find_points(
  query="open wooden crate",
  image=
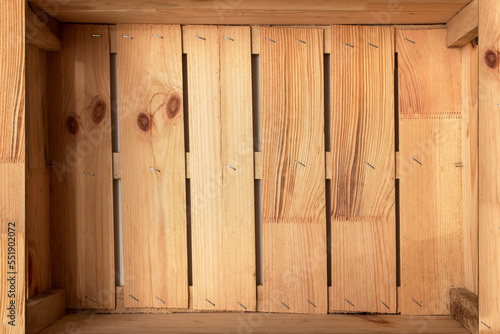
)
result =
(221, 163)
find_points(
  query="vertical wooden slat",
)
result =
(37, 175)
(12, 167)
(470, 164)
(293, 170)
(430, 173)
(363, 170)
(222, 171)
(153, 166)
(489, 177)
(81, 174)
(238, 254)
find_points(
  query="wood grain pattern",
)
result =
(153, 166)
(254, 11)
(463, 27)
(427, 49)
(293, 170)
(12, 167)
(270, 323)
(470, 160)
(81, 173)
(37, 175)
(363, 170)
(430, 174)
(44, 309)
(489, 155)
(222, 167)
(39, 34)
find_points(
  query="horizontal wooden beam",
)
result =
(250, 12)
(39, 34)
(463, 27)
(464, 307)
(44, 309)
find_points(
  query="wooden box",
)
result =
(250, 166)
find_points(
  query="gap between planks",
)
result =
(256, 32)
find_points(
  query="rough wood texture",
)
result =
(222, 167)
(470, 161)
(81, 168)
(12, 167)
(489, 156)
(44, 309)
(464, 308)
(39, 34)
(363, 170)
(254, 11)
(463, 27)
(430, 173)
(293, 170)
(37, 175)
(153, 167)
(257, 323)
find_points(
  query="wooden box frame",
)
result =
(479, 18)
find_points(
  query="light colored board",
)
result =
(153, 166)
(44, 309)
(293, 170)
(258, 323)
(238, 252)
(37, 175)
(426, 49)
(221, 167)
(12, 167)
(254, 11)
(39, 34)
(489, 155)
(430, 172)
(363, 170)
(431, 214)
(463, 27)
(81, 168)
(470, 163)
(464, 308)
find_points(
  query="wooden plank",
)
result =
(113, 47)
(489, 153)
(258, 323)
(39, 34)
(324, 12)
(363, 170)
(470, 86)
(153, 166)
(44, 309)
(463, 27)
(12, 167)
(293, 170)
(37, 175)
(430, 176)
(81, 173)
(222, 167)
(258, 165)
(464, 308)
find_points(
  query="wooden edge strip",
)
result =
(463, 27)
(464, 308)
(38, 33)
(44, 309)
